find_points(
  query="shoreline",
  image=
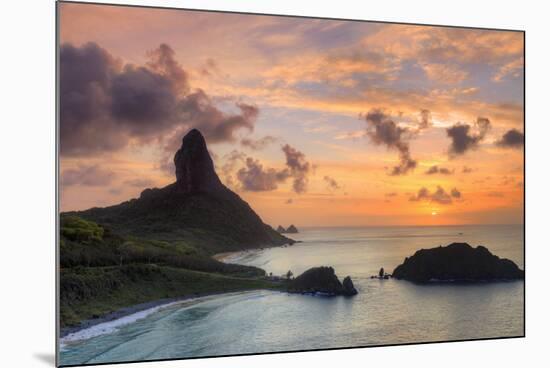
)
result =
(160, 303)
(142, 307)
(222, 257)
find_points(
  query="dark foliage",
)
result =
(111, 250)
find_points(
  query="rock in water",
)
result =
(321, 280)
(457, 262)
(292, 229)
(197, 209)
(194, 167)
(281, 229)
(349, 288)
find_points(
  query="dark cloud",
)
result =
(466, 137)
(104, 104)
(232, 159)
(425, 120)
(289, 201)
(88, 175)
(163, 61)
(467, 170)
(198, 111)
(384, 131)
(438, 170)
(391, 194)
(439, 196)
(299, 168)
(255, 178)
(209, 68)
(511, 139)
(142, 101)
(258, 144)
(331, 183)
(495, 194)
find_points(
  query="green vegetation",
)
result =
(77, 229)
(203, 221)
(88, 292)
(102, 271)
(160, 244)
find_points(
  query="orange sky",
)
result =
(354, 102)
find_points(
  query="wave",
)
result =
(109, 327)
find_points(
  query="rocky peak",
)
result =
(194, 167)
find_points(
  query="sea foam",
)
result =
(112, 326)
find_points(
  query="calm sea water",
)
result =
(384, 311)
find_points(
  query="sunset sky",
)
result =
(312, 122)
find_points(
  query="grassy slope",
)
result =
(102, 272)
(88, 292)
(213, 223)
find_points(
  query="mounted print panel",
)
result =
(243, 184)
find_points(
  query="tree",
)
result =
(289, 274)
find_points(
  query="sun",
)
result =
(434, 213)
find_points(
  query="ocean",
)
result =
(384, 312)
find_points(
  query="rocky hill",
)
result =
(457, 262)
(321, 280)
(197, 209)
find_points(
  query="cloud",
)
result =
(513, 69)
(255, 178)
(425, 121)
(464, 139)
(467, 170)
(455, 193)
(299, 168)
(442, 44)
(340, 68)
(511, 139)
(198, 111)
(209, 68)
(438, 170)
(258, 144)
(444, 73)
(384, 131)
(105, 104)
(439, 196)
(391, 194)
(331, 183)
(289, 201)
(232, 159)
(87, 175)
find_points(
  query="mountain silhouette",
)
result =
(196, 210)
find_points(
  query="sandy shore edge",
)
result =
(127, 311)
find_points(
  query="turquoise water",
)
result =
(384, 312)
